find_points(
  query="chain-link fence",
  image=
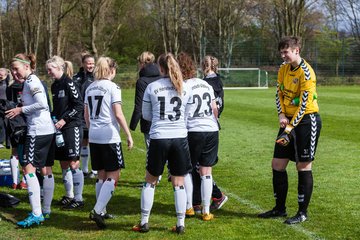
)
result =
(334, 62)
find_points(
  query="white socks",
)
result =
(180, 204)
(78, 179)
(68, 182)
(48, 188)
(206, 191)
(98, 185)
(147, 200)
(34, 193)
(85, 158)
(14, 165)
(189, 190)
(106, 192)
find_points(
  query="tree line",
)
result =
(123, 29)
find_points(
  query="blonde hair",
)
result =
(29, 59)
(65, 66)
(210, 63)
(5, 70)
(103, 67)
(146, 57)
(171, 67)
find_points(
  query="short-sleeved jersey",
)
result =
(199, 114)
(99, 99)
(293, 84)
(165, 108)
(36, 108)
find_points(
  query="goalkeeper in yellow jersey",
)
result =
(300, 126)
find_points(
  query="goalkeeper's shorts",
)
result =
(307, 135)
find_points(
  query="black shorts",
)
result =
(108, 157)
(71, 149)
(307, 135)
(203, 148)
(39, 151)
(18, 140)
(175, 151)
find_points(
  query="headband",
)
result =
(21, 60)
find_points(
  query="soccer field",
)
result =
(249, 127)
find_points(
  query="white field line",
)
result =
(140, 149)
(248, 203)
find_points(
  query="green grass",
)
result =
(249, 126)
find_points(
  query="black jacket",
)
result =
(15, 128)
(148, 74)
(67, 102)
(217, 85)
(83, 80)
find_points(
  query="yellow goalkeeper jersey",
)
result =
(296, 91)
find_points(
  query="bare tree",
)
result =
(350, 9)
(290, 16)
(170, 17)
(30, 23)
(2, 55)
(65, 9)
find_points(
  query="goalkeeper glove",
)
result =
(284, 138)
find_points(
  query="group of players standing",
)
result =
(178, 112)
(37, 151)
(179, 118)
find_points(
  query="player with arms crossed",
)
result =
(103, 115)
(164, 105)
(300, 126)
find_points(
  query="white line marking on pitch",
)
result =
(248, 203)
(140, 149)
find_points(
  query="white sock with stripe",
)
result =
(85, 158)
(14, 165)
(147, 201)
(180, 204)
(78, 180)
(48, 188)
(98, 185)
(106, 192)
(34, 193)
(206, 191)
(189, 190)
(68, 182)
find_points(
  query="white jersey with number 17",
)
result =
(99, 98)
(165, 108)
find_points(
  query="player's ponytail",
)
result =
(65, 66)
(210, 63)
(29, 59)
(68, 69)
(171, 67)
(187, 65)
(104, 67)
(146, 57)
